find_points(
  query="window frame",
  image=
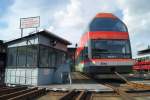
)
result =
(121, 55)
(96, 21)
(54, 52)
(17, 57)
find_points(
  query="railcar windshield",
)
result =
(107, 24)
(111, 49)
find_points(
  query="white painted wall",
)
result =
(35, 76)
(21, 76)
(30, 76)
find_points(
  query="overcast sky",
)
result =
(69, 18)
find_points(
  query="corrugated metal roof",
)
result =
(45, 33)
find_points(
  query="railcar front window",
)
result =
(107, 24)
(110, 48)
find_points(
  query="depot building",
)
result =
(36, 59)
(143, 61)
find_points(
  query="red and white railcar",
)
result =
(104, 47)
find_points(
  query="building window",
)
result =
(51, 58)
(25, 56)
(60, 57)
(43, 56)
(11, 59)
(21, 57)
(32, 56)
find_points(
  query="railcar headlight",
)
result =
(93, 62)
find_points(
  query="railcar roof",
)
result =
(105, 15)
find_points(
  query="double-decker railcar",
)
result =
(104, 47)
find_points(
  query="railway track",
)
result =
(20, 93)
(80, 78)
(120, 91)
(129, 91)
(115, 95)
(76, 95)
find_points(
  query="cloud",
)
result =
(4, 6)
(136, 15)
(72, 21)
(69, 18)
(28, 8)
(68, 22)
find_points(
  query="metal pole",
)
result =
(70, 79)
(75, 56)
(21, 32)
(36, 29)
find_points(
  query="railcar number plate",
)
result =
(103, 63)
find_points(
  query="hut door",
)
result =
(65, 77)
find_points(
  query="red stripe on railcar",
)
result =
(144, 67)
(108, 35)
(136, 67)
(107, 60)
(123, 60)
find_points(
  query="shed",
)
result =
(34, 59)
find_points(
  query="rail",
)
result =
(20, 93)
(133, 84)
(30, 95)
(76, 95)
(122, 93)
(10, 90)
(125, 93)
(81, 96)
(17, 93)
(118, 91)
(68, 96)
